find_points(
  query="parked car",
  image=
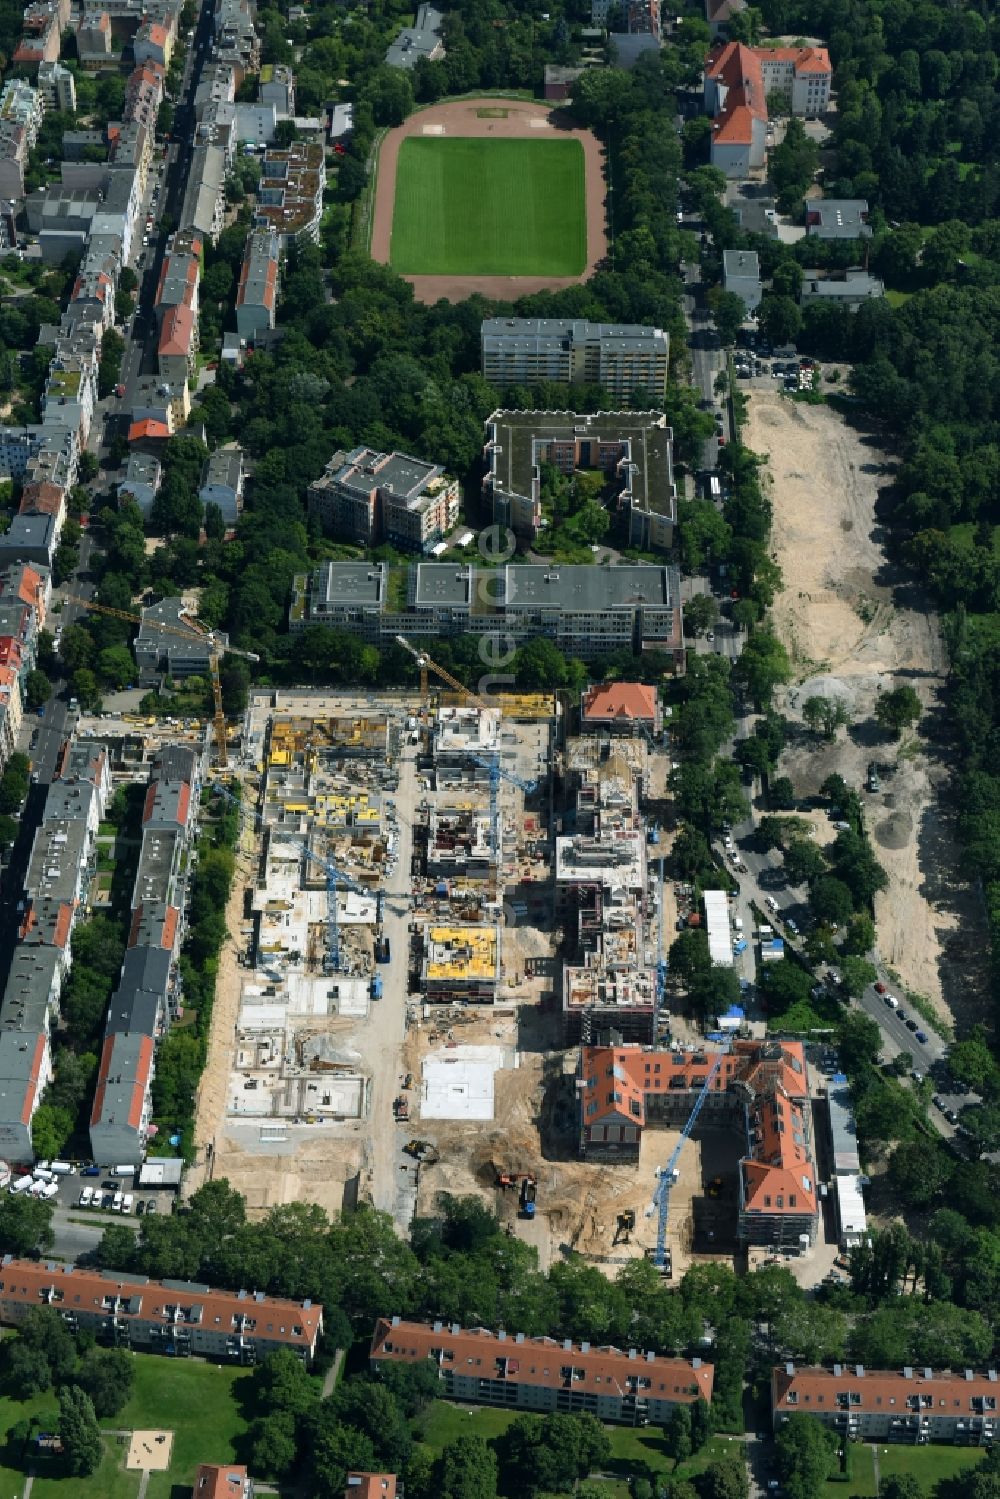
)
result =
(921, 1036)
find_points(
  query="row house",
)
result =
(40, 41)
(623, 1386)
(59, 870)
(180, 1318)
(911, 1405)
(257, 293)
(148, 995)
(21, 112)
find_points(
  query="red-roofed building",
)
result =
(148, 431)
(25, 1073)
(912, 1405)
(228, 1481)
(544, 1374)
(119, 1121)
(370, 1486)
(762, 1086)
(620, 707)
(154, 42)
(175, 350)
(738, 82)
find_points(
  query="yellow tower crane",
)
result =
(427, 664)
(196, 628)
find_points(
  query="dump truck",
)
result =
(400, 1108)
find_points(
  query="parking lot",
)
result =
(90, 1189)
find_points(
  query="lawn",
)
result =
(200, 1403)
(489, 208)
(927, 1464)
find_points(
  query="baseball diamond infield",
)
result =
(419, 224)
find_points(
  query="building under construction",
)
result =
(460, 842)
(461, 964)
(462, 738)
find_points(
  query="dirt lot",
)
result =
(853, 629)
(520, 118)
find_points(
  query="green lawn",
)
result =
(489, 208)
(927, 1464)
(199, 1403)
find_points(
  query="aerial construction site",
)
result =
(447, 974)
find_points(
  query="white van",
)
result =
(37, 1187)
(49, 1190)
(61, 1168)
(127, 1203)
(43, 1174)
(770, 903)
(116, 1205)
(86, 1197)
(19, 1184)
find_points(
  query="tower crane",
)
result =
(498, 773)
(426, 664)
(215, 652)
(661, 964)
(668, 1176)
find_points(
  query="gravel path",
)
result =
(463, 117)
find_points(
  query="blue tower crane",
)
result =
(661, 965)
(668, 1175)
(334, 877)
(498, 774)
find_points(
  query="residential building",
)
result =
(289, 197)
(204, 193)
(762, 1086)
(620, 708)
(544, 1374)
(372, 1486)
(143, 477)
(93, 37)
(559, 81)
(741, 275)
(277, 87)
(230, 1481)
(154, 42)
(222, 483)
(844, 288)
(370, 497)
(341, 122)
(633, 449)
(21, 111)
(17, 445)
(25, 1073)
(585, 611)
(173, 1317)
(420, 40)
(29, 538)
(837, 218)
(179, 650)
(41, 37)
(257, 293)
(739, 80)
(176, 346)
(912, 1405)
(57, 87)
(180, 274)
(622, 358)
(718, 14)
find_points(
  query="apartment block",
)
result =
(204, 200)
(176, 1317)
(585, 611)
(761, 1086)
(622, 358)
(40, 39)
(840, 288)
(911, 1405)
(837, 218)
(632, 449)
(143, 476)
(423, 39)
(544, 1374)
(461, 964)
(369, 497)
(741, 275)
(158, 651)
(257, 293)
(222, 483)
(290, 194)
(57, 87)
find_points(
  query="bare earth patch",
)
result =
(849, 636)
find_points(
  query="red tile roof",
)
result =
(882, 1391)
(177, 332)
(214, 1482)
(143, 1069)
(37, 1061)
(540, 1361)
(370, 1486)
(623, 700)
(147, 428)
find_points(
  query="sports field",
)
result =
(467, 207)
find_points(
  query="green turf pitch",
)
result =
(489, 208)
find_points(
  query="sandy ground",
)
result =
(462, 118)
(854, 629)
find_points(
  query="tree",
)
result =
(273, 1447)
(466, 1469)
(725, 1479)
(27, 1371)
(115, 666)
(830, 900)
(780, 318)
(79, 1432)
(898, 709)
(824, 715)
(762, 665)
(857, 973)
(700, 614)
(900, 1486)
(860, 1041)
(729, 311)
(803, 861)
(982, 1126)
(781, 793)
(701, 1424)
(44, 1331)
(806, 1454)
(107, 1375)
(37, 690)
(25, 1225)
(677, 1434)
(792, 166)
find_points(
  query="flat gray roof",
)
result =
(352, 583)
(538, 333)
(443, 583)
(837, 218)
(591, 589)
(741, 263)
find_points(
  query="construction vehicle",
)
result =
(422, 1151)
(527, 1196)
(216, 652)
(670, 1175)
(624, 1228)
(400, 1108)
